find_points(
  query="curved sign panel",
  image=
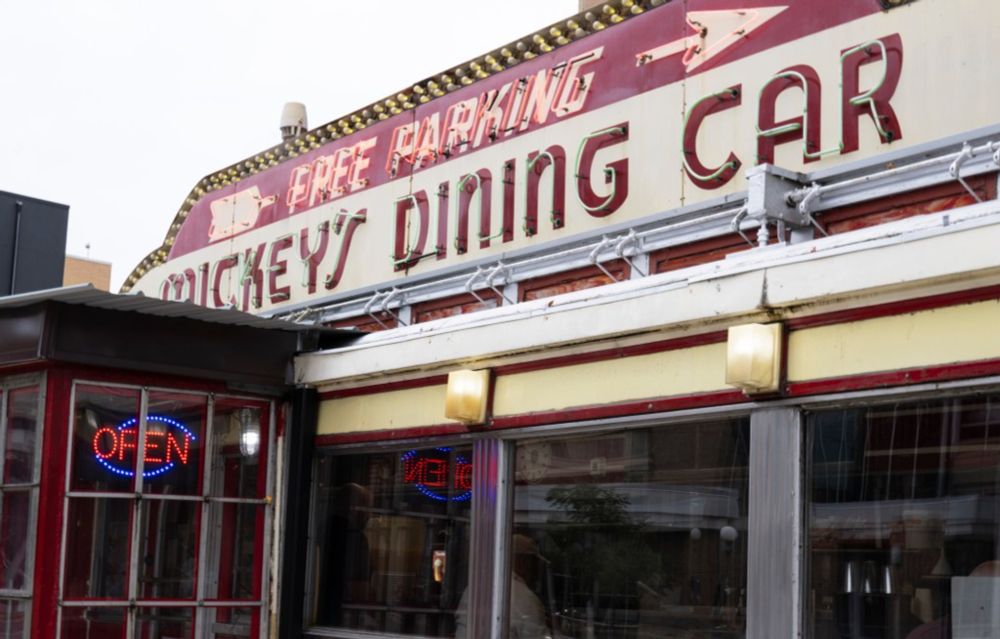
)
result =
(666, 109)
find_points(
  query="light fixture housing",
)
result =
(467, 396)
(753, 357)
(249, 420)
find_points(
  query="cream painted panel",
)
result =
(928, 338)
(681, 372)
(382, 411)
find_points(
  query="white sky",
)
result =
(118, 107)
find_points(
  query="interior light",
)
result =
(466, 396)
(249, 420)
(753, 357)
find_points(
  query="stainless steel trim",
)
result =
(774, 575)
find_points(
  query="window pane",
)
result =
(105, 438)
(97, 552)
(229, 623)
(22, 436)
(239, 441)
(164, 623)
(633, 534)
(175, 429)
(234, 551)
(14, 617)
(14, 539)
(391, 546)
(904, 520)
(168, 535)
(93, 623)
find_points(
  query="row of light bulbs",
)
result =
(540, 43)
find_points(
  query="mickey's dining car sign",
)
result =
(666, 109)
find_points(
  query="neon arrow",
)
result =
(714, 32)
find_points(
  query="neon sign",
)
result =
(115, 447)
(428, 473)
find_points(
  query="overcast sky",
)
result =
(117, 107)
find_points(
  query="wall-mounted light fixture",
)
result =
(753, 357)
(892, 4)
(467, 394)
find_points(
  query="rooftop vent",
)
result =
(293, 120)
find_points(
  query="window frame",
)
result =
(131, 603)
(383, 447)
(8, 384)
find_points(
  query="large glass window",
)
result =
(20, 436)
(165, 514)
(905, 521)
(391, 540)
(636, 534)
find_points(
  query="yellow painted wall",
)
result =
(928, 338)
(393, 410)
(681, 372)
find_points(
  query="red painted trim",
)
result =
(418, 432)
(423, 382)
(718, 398)
(48, 534)
(140, 379)
(901, 307)
(613, 353)
(895, 378)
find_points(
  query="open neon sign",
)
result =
(115, 446)
(429, 473)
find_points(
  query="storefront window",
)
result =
(632, 534)
(905, 521)
(391, 540)
(20, 435)
(166, 514)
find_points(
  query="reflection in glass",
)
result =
(164, 623)
(14, 617)
(22, 436)
(229, 623)
(239, 435)
(104, 441)
(903, 539)
(92, 623)
(636, 534)
(233, 558)
(391, 543)
(167, 537)
(98, 534)
(14, 539)
(175, 437)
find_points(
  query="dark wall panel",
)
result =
(32, 243)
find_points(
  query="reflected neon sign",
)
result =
(429, 472)
(168, 443)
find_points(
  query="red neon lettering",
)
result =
(413, 471)
(352, 222)
(406, 255)
(223, 265)
(873, 104)
(124, 443)
(435, 472)
(463, 476)
(151, 445)
(253, 276)
(360, 160)
(697, 172)
(99, 440)
(794, 128)
(615, 173)
(182, 453)
(298, 186)
(278, 266)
